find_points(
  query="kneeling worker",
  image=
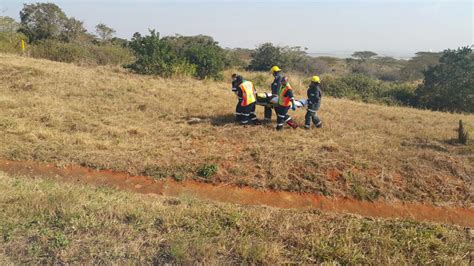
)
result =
(238, 107)
(314, 102)
(246, 93)
(285, 101)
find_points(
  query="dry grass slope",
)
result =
(107, 118)
(43, 222)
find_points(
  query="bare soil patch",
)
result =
(239, 195)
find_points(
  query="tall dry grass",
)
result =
(105, 117)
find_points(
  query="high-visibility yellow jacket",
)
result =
(248, 93)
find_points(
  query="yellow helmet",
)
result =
(316, 79)
(275, 69)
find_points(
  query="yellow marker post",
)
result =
(22, 45)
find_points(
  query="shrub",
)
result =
(81, 53)
(238, 58)
(266, 56)
(357, 85)
(110, 54)
(207, 170)
(11, 42)
(153, 55)
(401, 94)
(208, 58)
(361, 87)
(449, 86)
(59, 51)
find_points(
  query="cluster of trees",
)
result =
(448, 77)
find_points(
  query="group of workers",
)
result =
(280, 88)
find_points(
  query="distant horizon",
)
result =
(391, 28)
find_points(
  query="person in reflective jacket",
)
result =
(235, 88)
(285, 102)
(275, 86)
(247, 101)
(314, 102)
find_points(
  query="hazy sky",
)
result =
(391, 27)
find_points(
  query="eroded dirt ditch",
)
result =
(238, 195)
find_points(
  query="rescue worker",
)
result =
(246, 93)
(275, 86)
(314, 102)
(285, 102)
(238, 107)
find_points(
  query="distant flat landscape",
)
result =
(348, 54)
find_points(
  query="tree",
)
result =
(266, 56)
(153, 55)
(449, 85)
(104, 32)
(363, 55)
(47, 21)
(73, 28)
(8, 25)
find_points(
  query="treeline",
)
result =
(439, 81)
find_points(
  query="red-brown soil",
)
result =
(243, 196)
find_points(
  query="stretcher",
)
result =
(268, 100)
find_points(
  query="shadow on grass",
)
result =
(215, 120)
(222, 120)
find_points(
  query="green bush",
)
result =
(207, 57)
(367, 89)
(208, 60)
(266, 56)
(401, 94)
(59, 51)
(207, 170)
(154, 56)
(11, 42)
(354, 86)
(449, 86)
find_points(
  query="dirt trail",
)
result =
(243, 196)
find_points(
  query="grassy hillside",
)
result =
(107, 118)
(46, 222)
